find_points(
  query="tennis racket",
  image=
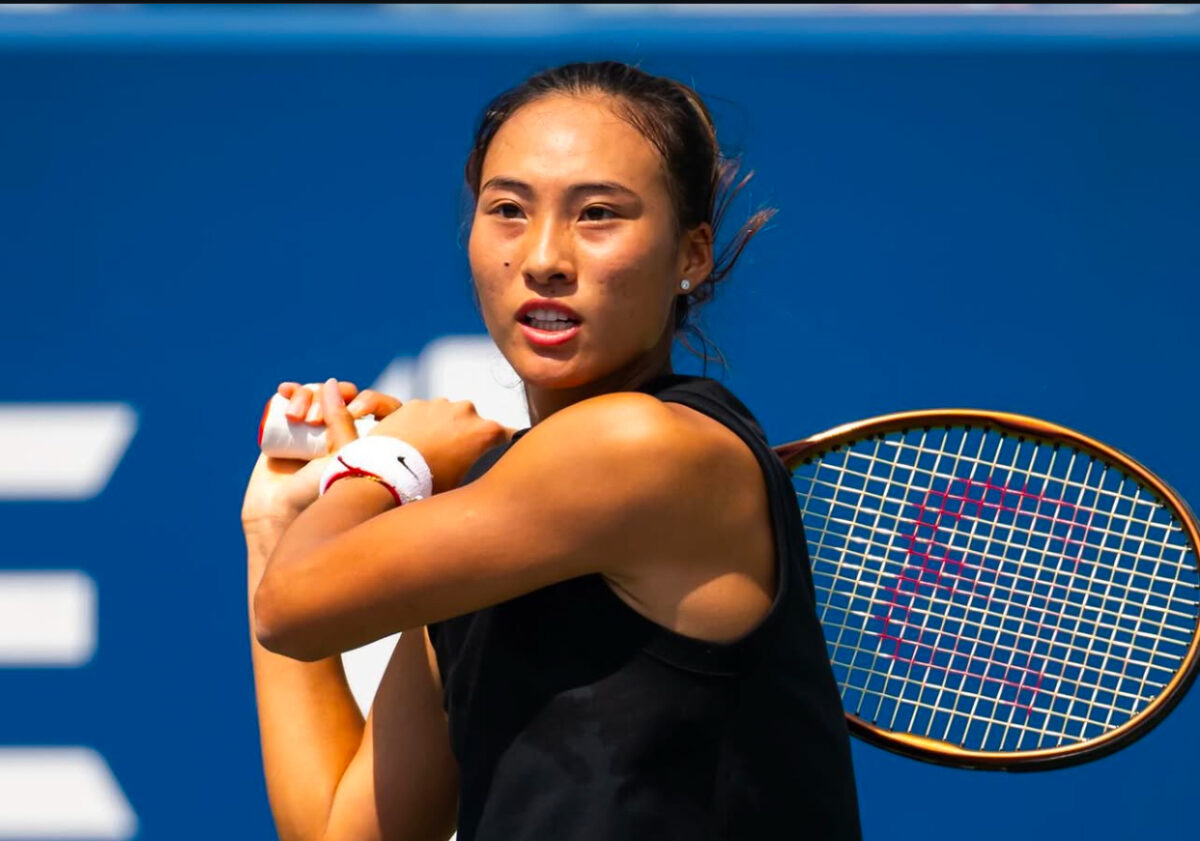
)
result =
(997, 591)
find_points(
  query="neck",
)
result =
(543, 402)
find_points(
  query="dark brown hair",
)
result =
(675, 119)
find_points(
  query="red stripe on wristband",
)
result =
(359, 473)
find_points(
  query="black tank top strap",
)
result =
(712, 399)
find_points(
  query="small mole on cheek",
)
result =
(506, 265)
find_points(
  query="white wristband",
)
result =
(389, 461)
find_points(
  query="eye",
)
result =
(508, 210)
(597, 213)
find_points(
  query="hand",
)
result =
(279, 489)
(450, 436)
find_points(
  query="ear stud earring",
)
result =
(685, 284)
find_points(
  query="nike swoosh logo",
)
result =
(406, 467)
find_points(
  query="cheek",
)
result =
(476, 247)
(487, 272)
(636, 283)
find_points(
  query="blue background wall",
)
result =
(994, 212)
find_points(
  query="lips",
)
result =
(546, 322)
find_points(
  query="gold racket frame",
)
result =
(1018, 426)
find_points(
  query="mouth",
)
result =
(549, 320)
(548, 323)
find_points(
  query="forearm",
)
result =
(298, 577)
(310, 725)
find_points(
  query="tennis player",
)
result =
(608, 621)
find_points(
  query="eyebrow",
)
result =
(519, 187)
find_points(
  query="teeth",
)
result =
(548, 319)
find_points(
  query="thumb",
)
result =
(339, 423)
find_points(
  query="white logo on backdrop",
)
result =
(459, 368)
(48, 618)
(62, 451)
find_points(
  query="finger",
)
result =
(287, 389)
(347, 388)
(298, 407)
(340, 425)
(316, 414)
(373, 403)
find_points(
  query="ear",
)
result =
(695, 261)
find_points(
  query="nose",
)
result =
(549, 256)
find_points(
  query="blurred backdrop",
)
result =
(984, 206)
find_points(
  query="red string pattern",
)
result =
(982, 594)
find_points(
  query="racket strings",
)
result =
(1022, 683)
(1090, 609)
(1169, 527)
(918, 588)
(1134, 555)
(939, 637)
(1112, 607)
(1012, 664)
(916, 702)
(1149, 575)
(1122, 651)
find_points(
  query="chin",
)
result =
(552, 374)
(548, 371)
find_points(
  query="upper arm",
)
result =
(402, 784)
(602, 486)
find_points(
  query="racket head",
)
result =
(997, 591)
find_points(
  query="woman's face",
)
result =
(574, 246)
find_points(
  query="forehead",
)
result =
(573, 139)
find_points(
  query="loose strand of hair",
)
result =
(734, 248)
(708, 351)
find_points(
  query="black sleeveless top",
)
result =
(575, 718)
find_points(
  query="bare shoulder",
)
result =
(670, 437)
(673, 501)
